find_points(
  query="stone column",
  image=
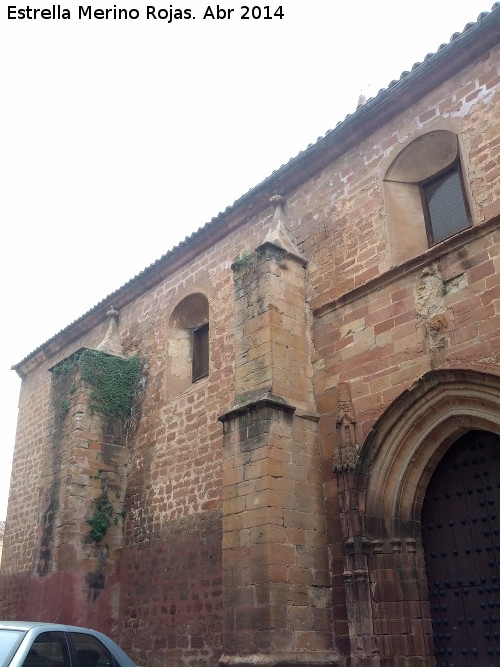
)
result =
(277, 606)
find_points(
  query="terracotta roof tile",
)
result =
(405, 75)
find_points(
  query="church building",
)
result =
(279, 444)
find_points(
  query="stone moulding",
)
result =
(400, 452)
(254, 401)
(395, 273)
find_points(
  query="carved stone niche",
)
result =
(346, 455)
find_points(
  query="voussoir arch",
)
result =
(404, 446)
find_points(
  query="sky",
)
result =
(119, 138)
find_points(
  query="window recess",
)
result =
(200, 348)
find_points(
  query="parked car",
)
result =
(25, 644)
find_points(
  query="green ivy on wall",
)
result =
(115, 392)
(114, 380)
(102, 517)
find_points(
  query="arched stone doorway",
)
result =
(461, 540)
(381, 500)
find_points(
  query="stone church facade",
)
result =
(307, 471)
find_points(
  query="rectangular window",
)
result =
(445, 205)
(200, 352)
(90, 651)
(48, 648)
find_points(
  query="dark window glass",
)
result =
(446, 209)
(200, 352)
(90, 652)
(49, 649)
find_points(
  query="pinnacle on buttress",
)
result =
(278, 234)
(112, 343)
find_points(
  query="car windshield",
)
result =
(9, 640)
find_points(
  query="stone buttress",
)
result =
(277, 606)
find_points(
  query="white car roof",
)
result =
(28, 625)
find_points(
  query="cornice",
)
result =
(464, 48)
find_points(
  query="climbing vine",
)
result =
(113, 385)
(247, 262)
(115, 382)
(102, 517)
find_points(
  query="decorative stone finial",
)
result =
(277, 200)
(361, 101)
(112, 343)
(277, 234)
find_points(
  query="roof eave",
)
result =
(464, 48)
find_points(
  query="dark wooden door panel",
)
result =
(460, 531)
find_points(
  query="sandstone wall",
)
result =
(374, 328)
